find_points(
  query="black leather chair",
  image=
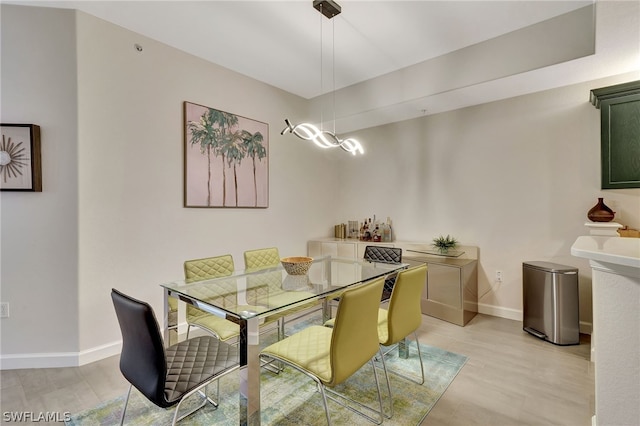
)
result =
(167, 376)
(383, 254)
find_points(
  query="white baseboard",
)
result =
(59, 359)
(586, 327)
(516, 314)
(497, 311)
(100, 352)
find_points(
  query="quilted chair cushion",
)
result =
(173, 304)
(383, 325)
(193, 362)
(210, 267)
(383, 254)
(223, 294)
(223, 329)
(308, 350)
(204, 269)
(268, 291)
(271, 285)
(261, 258)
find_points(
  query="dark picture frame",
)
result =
(226, 159)
(20, 160)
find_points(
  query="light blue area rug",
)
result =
(291, 398)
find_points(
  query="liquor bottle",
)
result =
(377, 237)
(367, 230)
(386, 232)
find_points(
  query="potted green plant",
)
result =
(444, 244)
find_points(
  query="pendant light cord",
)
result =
(333, 69)
(321, 74)
(308, 131)
(333, 72)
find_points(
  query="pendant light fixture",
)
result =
(307, 131)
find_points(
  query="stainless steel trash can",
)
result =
(550, 302)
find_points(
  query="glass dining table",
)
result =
(251, 298)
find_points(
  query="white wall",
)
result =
(112, 214)
(134, 231)
(39, 235)
(514, 177)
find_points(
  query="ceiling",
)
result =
(393, 59)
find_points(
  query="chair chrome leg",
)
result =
(324, 401)
(176, 419)
(126, 401)
(281, 328)
(202, 389)
(419, 382)
(375, 374)
(188, 328)
(386, 375)
(415, 334)
(332, 393)
(327, 394)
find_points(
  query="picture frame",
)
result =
(226, 159)
(20, 161)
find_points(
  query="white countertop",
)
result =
(615, 250)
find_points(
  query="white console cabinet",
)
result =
(451, 289)
(352, 249)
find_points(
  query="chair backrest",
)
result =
(142, 360)
(204, 269)
(354, 340)
(405, 315)
(209, 267)
(383, 254)
(261, 258)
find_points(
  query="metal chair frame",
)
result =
(359, 303)
(415, 278)
(143, 349)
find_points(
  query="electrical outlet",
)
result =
(4, 310)
(499, 276)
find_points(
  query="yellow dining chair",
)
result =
(404, 315)
(172, 318)
(331, 355)
(257, 259)
(261, 258)
(204, 269)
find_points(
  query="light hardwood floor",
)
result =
(511, 378)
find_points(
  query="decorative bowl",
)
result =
(297, 265)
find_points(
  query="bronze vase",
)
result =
(600, 212)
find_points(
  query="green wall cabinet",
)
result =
(620, 134)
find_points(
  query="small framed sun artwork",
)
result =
(20, 164)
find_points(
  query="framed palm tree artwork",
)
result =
(226, 159)
(20, 163)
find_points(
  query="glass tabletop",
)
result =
(267, 291)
